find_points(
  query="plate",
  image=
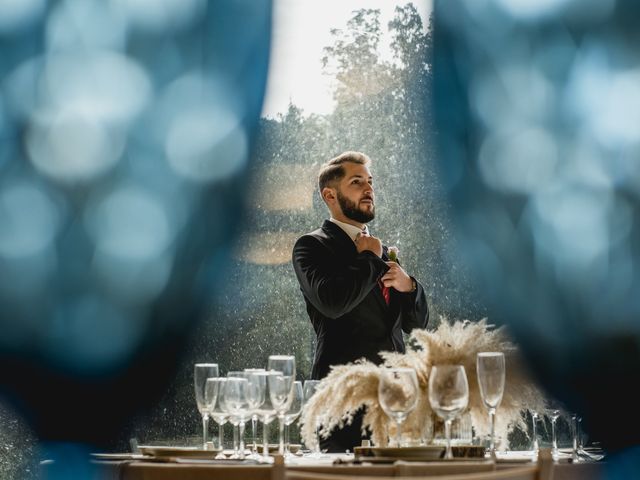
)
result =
(427, 452)
(191, 452)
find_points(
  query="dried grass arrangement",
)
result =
(349, 387)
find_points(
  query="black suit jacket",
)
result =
(345, 303)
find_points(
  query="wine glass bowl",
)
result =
(398, 395)
(448, 395)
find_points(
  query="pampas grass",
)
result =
(350, 387)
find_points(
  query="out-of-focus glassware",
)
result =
(309, 389)
(280, 388)
(234, 402)
(535, 445)
(448, 395)
(398, 395)
(219, 415)
(553, 411)
(490, 368)
(293, 412)
(202, 371)
(254, 415)
(216, 412)
(266, 412)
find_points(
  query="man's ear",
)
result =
(328, 195)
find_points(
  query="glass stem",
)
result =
(554, 441)
(447, 435)
(254, 438)
(398, 433)
(265, 439)
(220, 436)
(281, 434)
(574, 439)
(492, 419)
(205, 428)
(286, 439)
(235, 441)
(534, 421)
(241, 442)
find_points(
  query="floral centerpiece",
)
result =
(350, 387)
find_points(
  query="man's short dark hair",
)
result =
(333, 171)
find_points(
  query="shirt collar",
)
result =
(349, 229)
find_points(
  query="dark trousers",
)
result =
(342, 439)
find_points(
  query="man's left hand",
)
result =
(397, 278)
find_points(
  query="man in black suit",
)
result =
(358, 301)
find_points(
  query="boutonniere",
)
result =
(393, 254)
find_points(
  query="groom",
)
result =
(358, 301)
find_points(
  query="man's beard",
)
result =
(351, 210)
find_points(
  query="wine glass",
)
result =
(553, 411)
(266, 411)
(234, 402)
(491, 372)
(535, 446)
(448, 396)
(280, 387)
(309, 389)
(398, 395)
(292, 413)
(219, 415)
(254, 415)
(201, 372)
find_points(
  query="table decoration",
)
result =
(350, 387)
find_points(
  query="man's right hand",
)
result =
(367, 242)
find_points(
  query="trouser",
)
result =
(342, 439)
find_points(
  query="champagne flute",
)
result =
(219, 415)
(280, 387)
(309, 389)
(448, 396)
(491, 374)
(254, 415)
(398, 395)
(293, 412)
(201, 372)
(266, 411)
(553, 411)
(534, 433)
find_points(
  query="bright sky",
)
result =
(300, 32)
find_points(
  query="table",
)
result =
(186, 469)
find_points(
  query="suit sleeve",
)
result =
(334, 291)
(414, 310)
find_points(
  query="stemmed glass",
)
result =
(398, 395)
(201, 372)
(280, 387)
(266, 411)
(553, 411)
(234, 402)
(491, 372)
(448, 396)
(292, 413)
(309, 389)
(534, 433)
(219, 415)
(254, 415)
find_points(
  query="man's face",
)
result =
(355, 193)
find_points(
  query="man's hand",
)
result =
(367, 242)
(397, 278)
